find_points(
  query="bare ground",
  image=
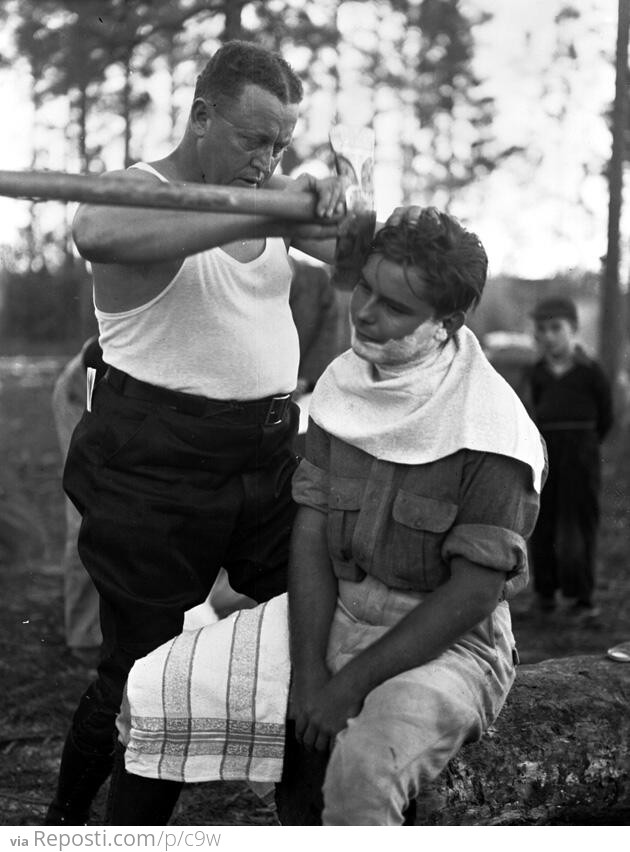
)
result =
(41, 681)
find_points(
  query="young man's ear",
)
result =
(453, 322)
(200, 116)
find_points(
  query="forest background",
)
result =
(499, 113)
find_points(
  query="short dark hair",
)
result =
(238, 63)
(452, 260)
(556, 307)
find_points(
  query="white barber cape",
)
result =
(426, 412)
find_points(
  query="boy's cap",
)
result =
(555, 306)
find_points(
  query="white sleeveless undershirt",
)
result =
(221, 328)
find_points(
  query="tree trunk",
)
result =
(172, 66)
(126, 112)
(82, 109)
(612, 316)
(232, 11)
(408, 178)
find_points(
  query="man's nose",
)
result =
(263, 159)
(366, 311)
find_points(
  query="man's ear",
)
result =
(453, 322)
(200, 116)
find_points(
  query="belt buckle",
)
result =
(277, 407)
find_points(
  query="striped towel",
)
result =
(211, 703)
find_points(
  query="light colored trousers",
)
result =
(411, 725)
(81, 601)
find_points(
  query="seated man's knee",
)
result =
(366, 782)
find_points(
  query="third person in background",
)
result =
(572, 407)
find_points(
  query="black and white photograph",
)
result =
(314, 421)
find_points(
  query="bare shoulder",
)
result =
(132, 173)
(122, 287)
(137, 172)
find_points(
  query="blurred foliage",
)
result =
(98, 56)
(39, 302)
(451, 142)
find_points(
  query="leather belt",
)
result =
(269, 411)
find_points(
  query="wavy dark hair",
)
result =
(452, 260)
(238, 63)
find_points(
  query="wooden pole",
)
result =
(120, 191)
(612, 315)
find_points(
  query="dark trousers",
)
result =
(167, 499)
(564, 540)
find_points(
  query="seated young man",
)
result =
(418, 490)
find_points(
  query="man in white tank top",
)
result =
(183, 462)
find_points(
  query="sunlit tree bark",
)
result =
(612, 317)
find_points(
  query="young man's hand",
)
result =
(305, 687)
(411, 215)
(321, 710)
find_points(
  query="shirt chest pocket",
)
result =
(344, 504)
(419, 528)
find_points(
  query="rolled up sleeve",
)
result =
(497, 513)
(310, 486)
(311, 480)
(490, 546)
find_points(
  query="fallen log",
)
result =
(559, 753)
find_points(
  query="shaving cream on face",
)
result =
(414, 348)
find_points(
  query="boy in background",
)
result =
(572, 407)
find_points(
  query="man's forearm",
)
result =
(136, 236)
(427, 631)
(312, 593)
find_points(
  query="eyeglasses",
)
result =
(251, 141)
